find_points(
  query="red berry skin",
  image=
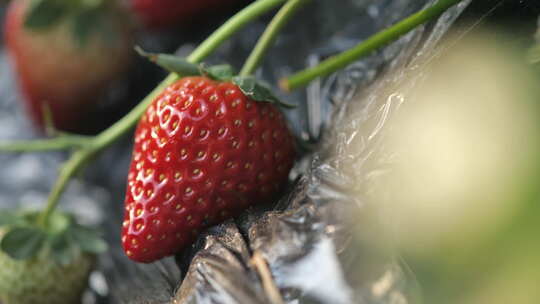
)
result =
(164, 13)
(53, 69)
(203, 153)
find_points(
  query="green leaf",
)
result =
(98, 22)
(59, 223)
(257, 91)
(44, 13)
(109, 33)
(218, 72)
(9, 217)
(61, 249)
(85, 23)
(16, 218)
(88, 240)
(171, 63)
(22, 243)
(91, 4)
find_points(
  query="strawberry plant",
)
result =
(45, 262)
(208, 144)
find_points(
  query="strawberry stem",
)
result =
(63, 142)
(376, 41)
(269, 35)
(233, 25)
(69, 169)
(124, 125)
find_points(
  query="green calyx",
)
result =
(258, 90)
(63, 238)
(249, 85)
(85, 17)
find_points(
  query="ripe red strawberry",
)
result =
(203, 152)
(67, 59)
(163, 13)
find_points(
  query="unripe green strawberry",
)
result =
(44, 260)
(41, 280)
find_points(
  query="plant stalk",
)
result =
(70, 168)
(376, 41)
(41, 145)
(269, 35)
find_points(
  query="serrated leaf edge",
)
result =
(253, 85)
(69, 235)
(36, 245)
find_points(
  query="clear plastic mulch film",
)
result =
(311, 247)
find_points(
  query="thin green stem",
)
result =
(127, 122)
(124, 125)
(376, 41)
(269, 35)
(70, 168)
(231, 26)
(42, 145)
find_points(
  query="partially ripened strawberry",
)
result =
(66, 53)
(163, 13)
(42, 280)
(203, 152)
(44, 263)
